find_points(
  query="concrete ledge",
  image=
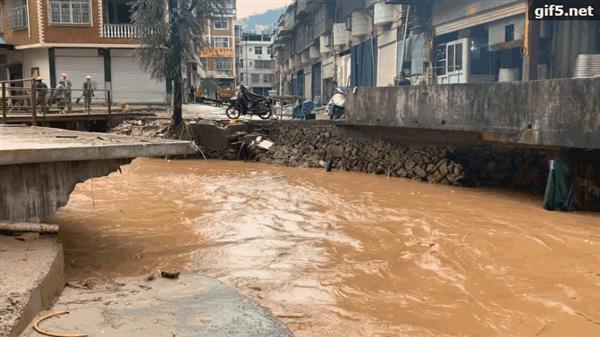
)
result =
(27, 145)
(31, 277)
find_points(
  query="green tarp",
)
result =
(560, 187)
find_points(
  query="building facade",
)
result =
(367, 43)
(255, 65)
(217, 63)
(78, 37)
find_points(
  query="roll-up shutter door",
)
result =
(131, 84)
(386, 65)
(77, 64)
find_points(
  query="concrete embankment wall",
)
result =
(32, 192)
(562, 112)
(430, 156)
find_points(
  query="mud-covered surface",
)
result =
(346, 254)
(189, 306)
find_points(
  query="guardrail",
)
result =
(22, 97)
(119, 31)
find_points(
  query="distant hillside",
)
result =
(261, 23)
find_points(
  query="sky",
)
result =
(246, 8)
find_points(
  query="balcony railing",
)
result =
(119, 31)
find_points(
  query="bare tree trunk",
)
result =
(177, 98)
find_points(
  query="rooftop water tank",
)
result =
(360, 24)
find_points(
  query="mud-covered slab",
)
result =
(191, 305)
(27, 145)
(31, 276)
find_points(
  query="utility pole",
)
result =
(531, 46)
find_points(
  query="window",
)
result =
(203, 63)
(70, 11)
(241, 77)
(222, 63)
(255, 78)
(17, 14)
(269, 51)
(258, 50)
(263, 64)
(241, 63)
(221, 23)
(509, 33)
(268, 78)
(220, 42)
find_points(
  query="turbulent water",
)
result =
(344, 254)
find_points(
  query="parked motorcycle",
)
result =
(247, 103)
(337, 104)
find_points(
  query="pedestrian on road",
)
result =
(88, 93)
(68, 91)
(41, 89)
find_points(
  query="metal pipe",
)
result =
(404, 39)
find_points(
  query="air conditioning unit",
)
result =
(360, 25)
(384, 13)
(304, 57)
(324, 44)
(340, 34)
(313, 52)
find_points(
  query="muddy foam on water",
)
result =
(345, 254)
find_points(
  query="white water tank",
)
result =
(360, 24)
(384, 13)
(340, 34)
(324, 44)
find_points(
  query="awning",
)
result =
(481, 18)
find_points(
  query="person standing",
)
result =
(59, 95)
(68, 90)
(41, 89)
(88, 93)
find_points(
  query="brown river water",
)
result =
(345, 254)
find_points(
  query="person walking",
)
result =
(88, 93)
(68, 90)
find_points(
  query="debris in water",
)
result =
(169, 274)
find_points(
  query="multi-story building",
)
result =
(77, 37)
(255, 65)
(217, 70)
(368, 43)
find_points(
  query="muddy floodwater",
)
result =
(345, 254)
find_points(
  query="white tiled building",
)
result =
(255, 66)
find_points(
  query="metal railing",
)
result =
(119, 31)
(22, 98)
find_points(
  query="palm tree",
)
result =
(171, 33)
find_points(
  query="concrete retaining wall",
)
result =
(32, 192)
(562, 113)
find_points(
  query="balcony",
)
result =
(119, 31)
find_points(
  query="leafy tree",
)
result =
(171, 34)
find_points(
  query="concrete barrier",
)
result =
(563, 112)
